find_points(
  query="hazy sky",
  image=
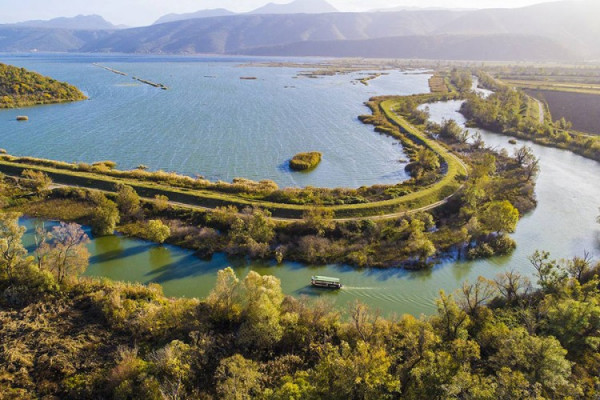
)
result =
(144, 12)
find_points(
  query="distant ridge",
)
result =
(503, 47)
(297, 7)
(217, 12)
(80, 22)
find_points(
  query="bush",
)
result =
(305, 161)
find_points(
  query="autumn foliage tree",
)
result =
(65, 254)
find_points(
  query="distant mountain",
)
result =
(17, 39)
(572, 23)
(297, 7)
(446, 47)
(238, 33)
(80, 22)
(218, 12)
(541, 32)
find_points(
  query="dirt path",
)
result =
(542, 113)
(290, 220)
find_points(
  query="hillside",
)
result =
(217, 12)
(80, 22)
(297, 7)
(239, 33)
(448, 47)
(19, 39)
(20, 88)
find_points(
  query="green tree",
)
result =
(318, 219)
(238, 379)
(12, 251)
(105, 216)
(161, 203)
(156, 231)
(128, 202)
(500, 217)
(540, 359)
(263, 297)
(361, 373)
(427, 159)
(226, 297)
(451, 320)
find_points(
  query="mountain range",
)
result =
(564, 30)
(295, 7)
(80, 22)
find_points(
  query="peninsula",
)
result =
(22, 88)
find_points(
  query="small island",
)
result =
(305, 161)
(22, 88)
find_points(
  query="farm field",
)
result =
(581, 109)
(571, 87)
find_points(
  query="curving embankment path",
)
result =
(427, 198)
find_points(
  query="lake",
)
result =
(210, 122)
(564, 221)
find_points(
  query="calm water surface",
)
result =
(568, 192)
(210, 122)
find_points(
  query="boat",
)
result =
(326, 282)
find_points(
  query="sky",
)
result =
(145, 12)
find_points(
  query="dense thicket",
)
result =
(69, 338)
(19, 88)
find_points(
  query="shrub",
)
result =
(305, 161)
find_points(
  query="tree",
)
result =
(427, 159)
(476, 295)
(450, 129)
(500, 217)
(128, 202)
(319, 219)
(238, 379)
(157, 231)
(263, 297)
(226, 297)
(105, 216)
(36, 180)
(66, 254)
(550, 275)
(524, 155)
(451, 320)
(362, 372)
(12, 251)
(540, 359)
(161, 203)
(251, 233)
(527, 160)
